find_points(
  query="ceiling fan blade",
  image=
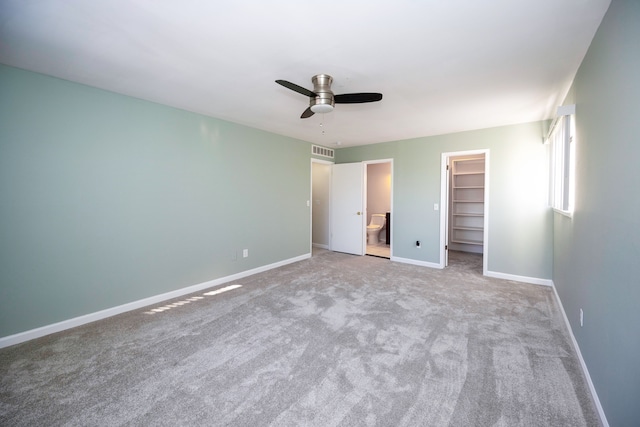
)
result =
(357, 98)
(307, 113)
(294, 87)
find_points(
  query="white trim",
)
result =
(563, 110)
(487, 192)
(592, 388)
(561, 212)
(516, 278)
(505, 276)
(103, 314)
(566, 110)
(372, 162)
(416, 262)
(321, 246)
(444, 208)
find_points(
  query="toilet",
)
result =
(373, 229)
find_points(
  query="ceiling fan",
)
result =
(322, 99)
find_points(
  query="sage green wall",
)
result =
(597, 252)
(107, 199)
(520, 222)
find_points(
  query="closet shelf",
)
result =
(468, 242)
(469, 228)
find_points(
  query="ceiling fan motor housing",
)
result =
(323, 102)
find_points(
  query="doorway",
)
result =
(464, 218)
(378, 178)
(330, 215)
(320, 204)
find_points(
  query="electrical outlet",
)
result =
(245, 253)
(581, 318)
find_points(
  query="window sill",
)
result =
(568, 214)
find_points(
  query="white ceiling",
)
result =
(443, 65)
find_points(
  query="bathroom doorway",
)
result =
(378, 199)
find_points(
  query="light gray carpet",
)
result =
(336, 340)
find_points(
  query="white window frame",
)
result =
(561, 140)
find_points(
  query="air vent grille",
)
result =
(322, 151)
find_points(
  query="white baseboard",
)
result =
(416, 262)
(103, 314)
(523, 279)
(321, 246)
(592, 388)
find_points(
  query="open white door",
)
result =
(347, 213)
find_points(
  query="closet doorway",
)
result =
(320, 204)
(464, 219)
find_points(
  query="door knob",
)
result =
(359, 213)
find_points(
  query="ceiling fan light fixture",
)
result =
(322, 99)
(322, 108)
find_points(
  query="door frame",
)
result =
(366, 182)
(444, 205)
(328, 219)
(364, 198)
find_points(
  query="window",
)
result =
(562, 162)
